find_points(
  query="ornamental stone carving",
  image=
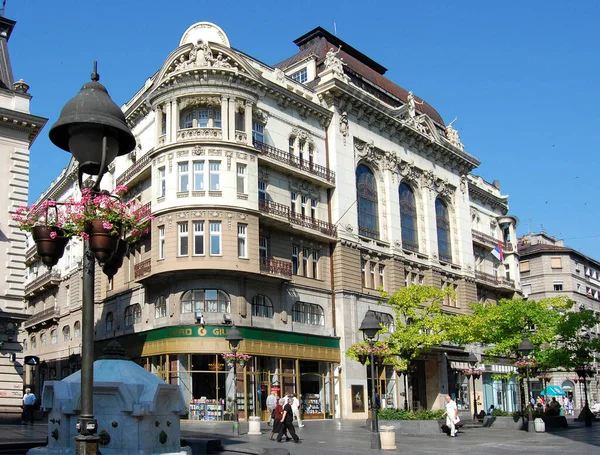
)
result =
(336, 64)
(344, 128)
(428, 180)
(409, 172)
(209, 101)
(366, 152)
(444, 189)
(201, 55)
(260, 116)
(279, 75)
(452, 136)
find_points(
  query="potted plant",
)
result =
(106, 219)
(50, 226)
(238, 357)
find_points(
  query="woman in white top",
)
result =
(451, 415)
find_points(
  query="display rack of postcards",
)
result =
(206, 409)
(241, 402)
(311, 406)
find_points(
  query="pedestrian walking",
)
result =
(296, 408)
(451, 415)
(287, 421)
(271, 403)
(277, 415)
(28, 405)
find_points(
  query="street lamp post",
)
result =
(473, 362)
(369, 327)
(93, 129)
(526, 348)
(583, 373)
(234, 337)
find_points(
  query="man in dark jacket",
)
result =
(287, 421)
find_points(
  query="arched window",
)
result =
(308, 313)
(43, 339)
(133, 315)
(200, 117)
(205, 300)
(386, 320)
(443, 231)
(24, 345)
(66, 333)
(408, 218)
(77, 329)
(54, 336)
(262, 306)
(366, 195)
(160, 307)
(33, 342)
(108, 323)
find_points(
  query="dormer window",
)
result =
(300, 76)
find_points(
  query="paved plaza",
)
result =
(351, 437)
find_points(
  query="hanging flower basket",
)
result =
(103, 238)
(50, 242)
(238, 357)
(362, 358)
(115, 262)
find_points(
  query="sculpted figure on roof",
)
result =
(335, 64)
(412, 108)
(452, 136)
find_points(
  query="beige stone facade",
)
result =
(18, 130)
(550, 269)
(280, 205)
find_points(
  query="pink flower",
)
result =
(84, 236)
(107, 225)
(53, 235)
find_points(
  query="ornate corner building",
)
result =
(283, 198)
(18, 130)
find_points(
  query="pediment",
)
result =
(190, 59)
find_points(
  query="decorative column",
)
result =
(158, 118)
(224, 118)
(248, 122)
(232, 107)
(173, 121)
(168, 139)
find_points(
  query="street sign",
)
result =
(32, 360)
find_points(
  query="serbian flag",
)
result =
(498, 253)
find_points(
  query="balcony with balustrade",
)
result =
(287, 161)
(41, 318)
(142, 269)
(494, 281)
(490, 242)
(138, 170)
(43, 282)
(276, 267)
(282, 216)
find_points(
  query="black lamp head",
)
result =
(370, 325)
(85, 121)
(234, 336)
(526, 347)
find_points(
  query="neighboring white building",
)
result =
(18, 130)
(284, 196)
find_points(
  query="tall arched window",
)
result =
(133, 315)
(262, 306)
(205, 300)
(443, 231)
(308, 313)
(66, 333)
(160, 307)
(77, 329)
(109, 322)
(366, 196)
(54, 336)
(408, 218)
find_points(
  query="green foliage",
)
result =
(500, 413)
(402, 414)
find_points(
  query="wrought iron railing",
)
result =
(134, 170)
(294, 161)
(143, 268)
(276, 267)
(283, 211)
(47, 278)
(494, 280)
(42, 316)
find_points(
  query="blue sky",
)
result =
(522, 77)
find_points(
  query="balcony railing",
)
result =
(491, 241)
(276, 267)
(142, 269)
(42, 316)
(134, 170)
(195, 134)
(44, 281)
(494, 280)
(294, 161)
(283, 211)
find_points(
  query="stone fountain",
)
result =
(137, 413)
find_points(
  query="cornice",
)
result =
(21, 121)
(487, 198)
(366, 107)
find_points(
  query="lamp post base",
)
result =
(236, 428)
(375, 441)
(86, 445)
